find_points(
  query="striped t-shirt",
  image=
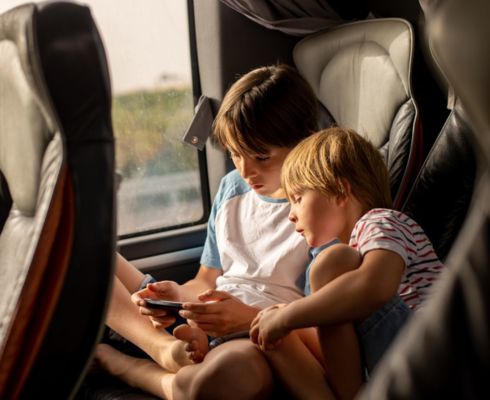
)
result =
(392, 230)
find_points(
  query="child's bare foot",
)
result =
(197, 341)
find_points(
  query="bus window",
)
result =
(149, 61)
(149, 57)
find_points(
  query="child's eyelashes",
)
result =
(259, 158)
(295, 199)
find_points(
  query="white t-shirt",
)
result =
(392, 230)
(250, 238)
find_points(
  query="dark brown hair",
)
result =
(269, 106)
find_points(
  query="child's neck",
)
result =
(354, 211)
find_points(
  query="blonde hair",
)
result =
(324, 160)
(269, 106)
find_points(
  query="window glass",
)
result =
(147, 45)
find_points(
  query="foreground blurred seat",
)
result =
(57, 237)
(361, 73)
(445, 350)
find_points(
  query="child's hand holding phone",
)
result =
(167, 305)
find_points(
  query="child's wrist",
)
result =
(285, 318)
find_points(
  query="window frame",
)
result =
(181, 238)
(130, 242)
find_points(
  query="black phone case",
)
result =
(163, 304)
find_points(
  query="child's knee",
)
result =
(333, 262)
(245, 373)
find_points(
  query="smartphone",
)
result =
(168, 305)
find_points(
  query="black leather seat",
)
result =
(57, 240)
(441, 194)
(445, 350)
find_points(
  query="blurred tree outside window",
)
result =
(148, 51)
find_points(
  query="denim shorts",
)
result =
(146, 280)
(377, 331)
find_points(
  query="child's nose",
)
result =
(246, 167)
(292, 217)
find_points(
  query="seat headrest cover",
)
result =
(361, 72)
(459, 32)
(24, 131)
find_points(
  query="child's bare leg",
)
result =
(340, 348)
(123, 317)
(197, 341)
(128, 274)
(236, 368)
(298, 367)
(137, 372)
(339, 343)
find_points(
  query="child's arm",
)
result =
(344, 297)
(351, 296)
(203, 281)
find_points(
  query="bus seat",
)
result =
(444, 352)
(440, 196)
(57, 238)
(361, 73)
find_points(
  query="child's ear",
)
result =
(347, 193)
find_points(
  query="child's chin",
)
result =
(260, 190)
(309, 242)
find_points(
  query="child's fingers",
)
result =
(191, 346)
(160, 288)
(254, 333)
(265, 345)
(196, 356)
(256, 320)
(216, 295)
(199, 317)
(162, 321)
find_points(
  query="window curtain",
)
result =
(293, 17)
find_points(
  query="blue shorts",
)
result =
(377, 331)
(146, 280)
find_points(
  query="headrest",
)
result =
(458, 34)
(26, 127)
(360, 72)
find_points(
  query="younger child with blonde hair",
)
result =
(363, 287)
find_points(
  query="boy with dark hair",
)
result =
(252, 257)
